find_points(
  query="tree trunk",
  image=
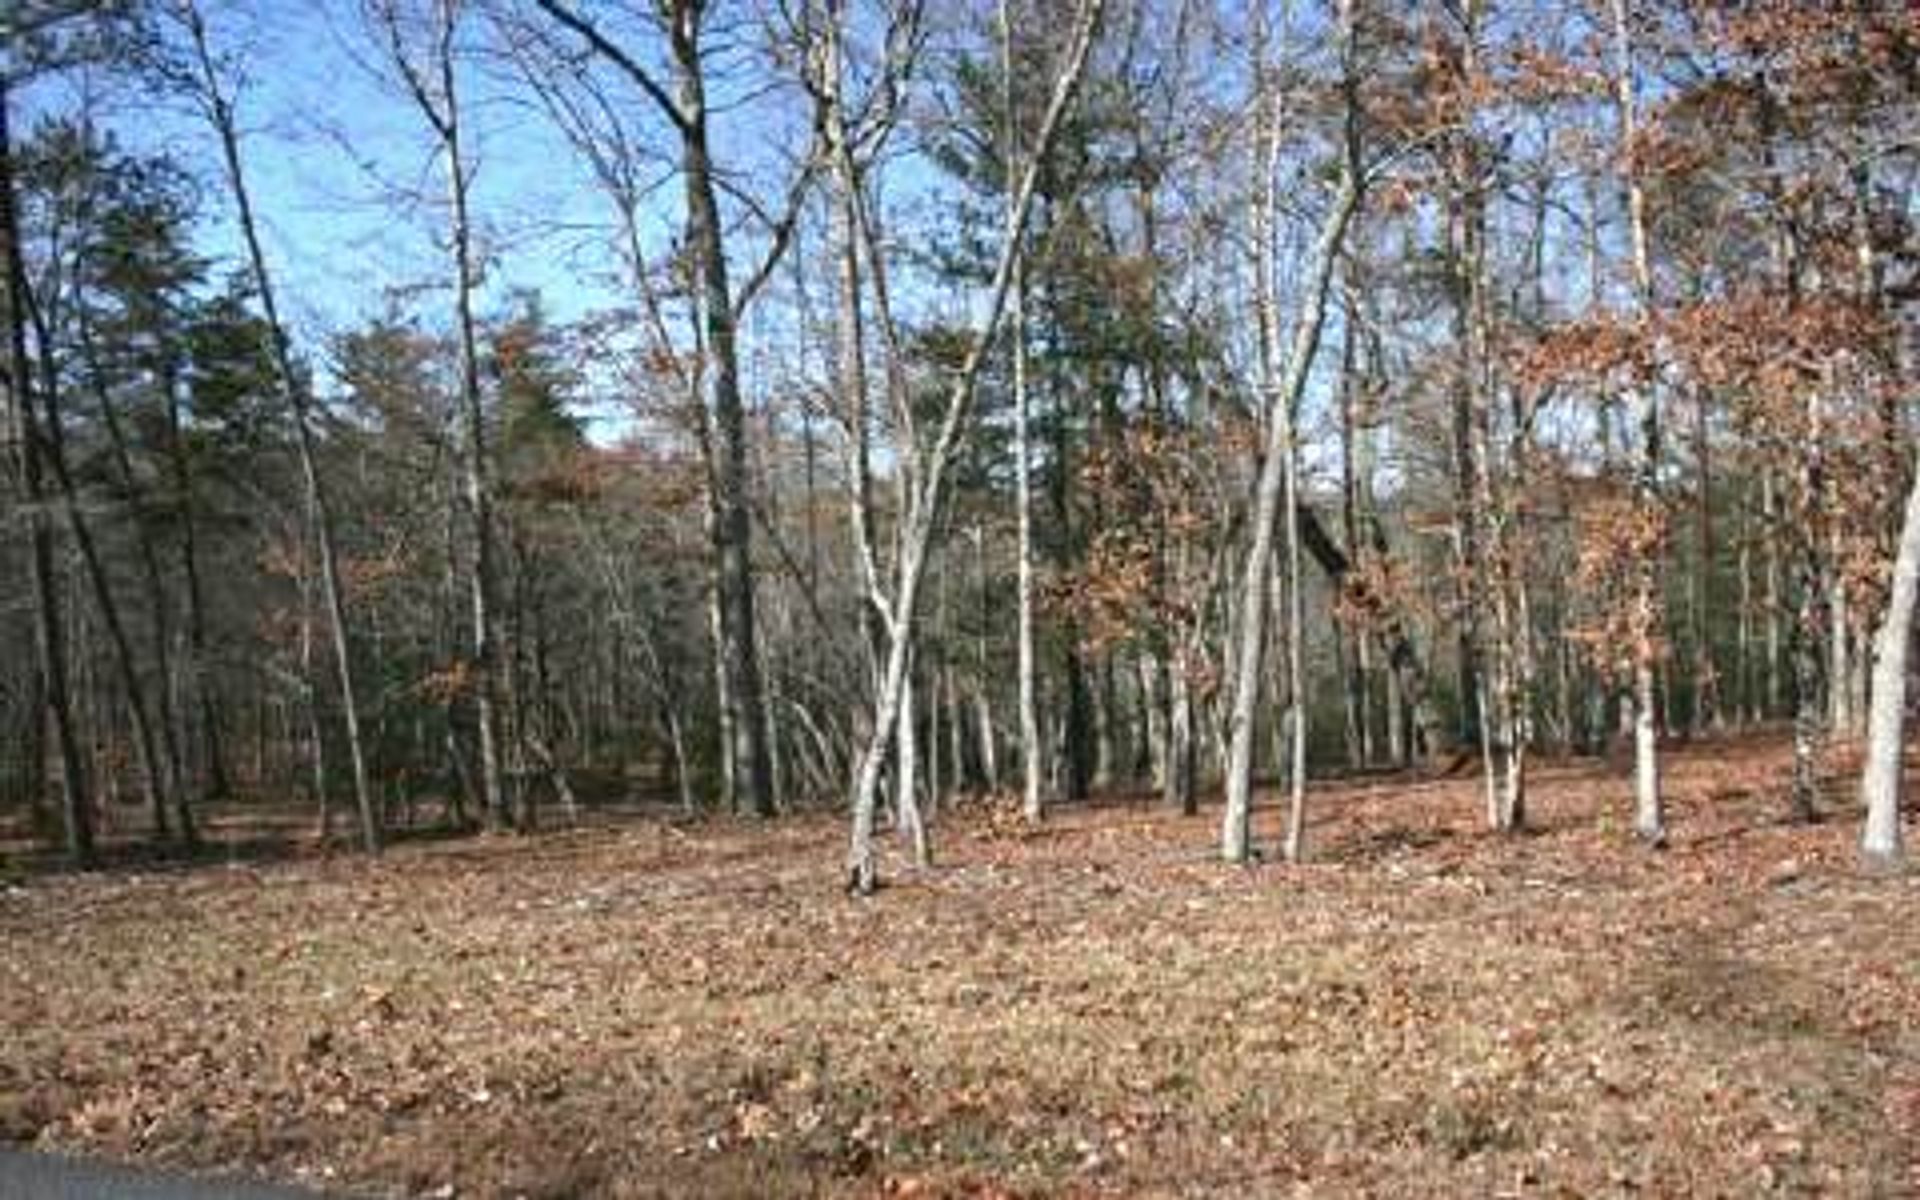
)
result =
(310, 702)
(1283, 380)
(906, 776)
(956, 710)
(1404, 665)
(724, 708)
(476, 492)
(1283, 394)
(720, 372)
(1178, 787)
(926, 491)
(1839, 646)
(1803, 652)
(1031, 803)
(1881, 781)
(1775, 589)
(76, 800)
(1398, 743)
(226, 128)
(1707, 712)
(1294, 848)
(1649, 819)
(983, 695)
(159, 606)
(1749, 709)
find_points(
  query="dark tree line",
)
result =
(1041, 397)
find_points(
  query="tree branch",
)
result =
(627, 64)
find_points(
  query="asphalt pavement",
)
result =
(28, 1176)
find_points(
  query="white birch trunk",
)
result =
(1649, 818)
(1880, 782)
(1283, 385)
(925, 493)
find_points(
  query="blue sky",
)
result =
(351, 193)
(346, 180)
(348, 183)
(350, 190)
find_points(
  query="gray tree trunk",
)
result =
(1283, 380)
(721, 372)
(928, 481)
(474, 457)
(1031, 803)
(983, 695)
(220, 114)
(1881, 780)
(1649, 819)
(76, 799)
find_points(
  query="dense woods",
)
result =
(510, 508)
(1023, 400)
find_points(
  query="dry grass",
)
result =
(1096, 1008)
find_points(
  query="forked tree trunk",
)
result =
(1284, 379)
(925, 496)
(1235, 832)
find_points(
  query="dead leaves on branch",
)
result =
(1756, 348)
(1825, 54)
(1617, 537)
(1598, 352)
(1765, 347)
(1156, 488)
(1378, 589)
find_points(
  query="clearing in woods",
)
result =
(1096, 1007)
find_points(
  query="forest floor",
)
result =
(1096, 1007)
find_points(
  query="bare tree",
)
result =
(926, 466)
(720, 308)
(1283, 379)
(49, 626)
(217, 105)
(1649, 821)
(433, 88)
(1030, 750)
